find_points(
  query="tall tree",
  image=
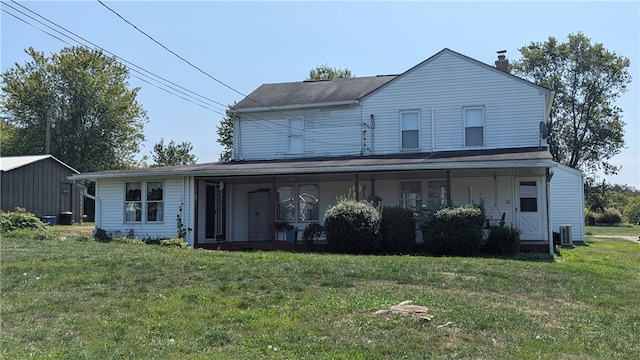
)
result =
(96, 122)
(585, 124)
(325, 72)
(173, 154)
(225, 136)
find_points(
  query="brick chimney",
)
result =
(502, 63)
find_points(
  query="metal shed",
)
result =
(39, 184)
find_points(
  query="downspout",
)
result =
(548, 201)
(97, 211)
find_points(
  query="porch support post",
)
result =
(448, 188)
(357, 186)
(272, 221)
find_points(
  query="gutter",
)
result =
(97, 211)
(292, 107)
(270, 171)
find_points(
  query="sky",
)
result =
(234, 47)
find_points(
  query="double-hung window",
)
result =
(473, 126)
(144, 201)
(411, 194)
(437, 194)
(296, 136)
(410, 129)
(297, 203)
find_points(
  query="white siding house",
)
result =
(567, 201)
(451, 130)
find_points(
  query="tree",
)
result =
(632, 211)
(225, 136)
(324, 72)
(96, 122)
(173, 154)
(585, 124)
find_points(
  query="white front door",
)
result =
(529, 208)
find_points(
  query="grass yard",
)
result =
(67, 299)
(613, 230)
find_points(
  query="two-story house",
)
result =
(449, 131)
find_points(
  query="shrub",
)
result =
(312, 233)
(632, 211)
(19, 219)
(352, 227)
(609, 216)
(503, 240)
(102, 236)
(457, 231)
(174, 242)
(397, 228)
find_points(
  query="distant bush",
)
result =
(397, 229)
(19, 219)
(609, 216)
(352, 227)
(174, 242)
(457, 231)
(503, 240)
(632, 211)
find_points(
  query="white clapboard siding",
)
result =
(175, 192)
(497, 195)
(440, 89)
(567, 201)
(326, 133)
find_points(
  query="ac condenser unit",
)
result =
(565, 236)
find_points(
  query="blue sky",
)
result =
(245, 44)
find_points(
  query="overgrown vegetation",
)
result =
(397, 230)
(503, 240)
(67, 299)
(457, 231)
(352, 227)
(19, 219)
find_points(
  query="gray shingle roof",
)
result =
(312, 92)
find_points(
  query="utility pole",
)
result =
(47, 141)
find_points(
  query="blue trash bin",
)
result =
(49, 220)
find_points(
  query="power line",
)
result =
(198, 68)
(133, 67)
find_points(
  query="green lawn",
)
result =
(67, 299)
(613, 230)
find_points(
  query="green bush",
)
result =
(352, 227)
(503, 240)
(609, 216)
(457, 231)
(19, 219)
(312, 234)
(102, 236)
(632, 211)
(174, 242)
(398, 229)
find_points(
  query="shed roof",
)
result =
(9, 163)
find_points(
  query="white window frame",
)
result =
(295, 140)
(469, 123)
(437, 193)
(411, 200)
(290, 209)
(404, 128)
(143, 204)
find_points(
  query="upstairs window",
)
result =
(409, 126)
(296, 136)
(474, 126)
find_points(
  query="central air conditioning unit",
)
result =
(565, 236)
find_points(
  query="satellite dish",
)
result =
(544, 131)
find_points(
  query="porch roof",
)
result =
(464, 160)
